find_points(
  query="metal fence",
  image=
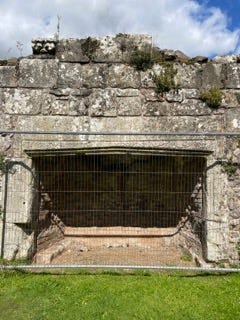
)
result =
(121, 200)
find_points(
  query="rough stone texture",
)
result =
(8, 77)
(90, 85)
(211, 75)
(23, 101)
(118, 49)
(44, 46)
(37, 73)
(77, 76)
(232, 76)
(102, 49)
(122, 76)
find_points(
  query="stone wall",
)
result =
(92, 85)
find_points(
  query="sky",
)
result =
(196, 27)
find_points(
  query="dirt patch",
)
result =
(77, 252)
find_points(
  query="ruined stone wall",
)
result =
(93, 85)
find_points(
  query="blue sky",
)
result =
(196, 27)
(230, 7)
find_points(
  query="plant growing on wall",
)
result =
(230, 167)
(141, 59)
(165, 80)
(212, 97)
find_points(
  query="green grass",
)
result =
(119, 296)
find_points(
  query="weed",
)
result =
(186, 256)
(212, 97)
(230, 167)
(165, 80)
(19, 47)
(141, 59)
(120, 35)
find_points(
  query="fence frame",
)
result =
(4, 266)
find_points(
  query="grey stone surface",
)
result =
(233, 119)
(190, 107)
(156, 108)
(129, 106)
(123, 76)
(233, 58)
(75, 75)
(232, 76)
(71, 50)
(102, 103)
(119, 48)
(37, 73)
(8, 77)
(23, 101)
(89, 85)
(187, 75)
(210, 75)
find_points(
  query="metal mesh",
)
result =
(113, 206)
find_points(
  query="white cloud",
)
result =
(183, 25)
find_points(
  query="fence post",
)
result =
(5, 195)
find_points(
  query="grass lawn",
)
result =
(113, 296)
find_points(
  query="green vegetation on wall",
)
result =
(212, 97)
(230, 167)
(141, 59)
(165, 80)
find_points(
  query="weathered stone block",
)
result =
(191, 93)
(186, 75)
(19, 189)
(232, 76)
(210, 75)
(230, 99)
(233, 119)
(233, 58)
(23, 101)
(77, 76)
(123, 76)
(120, 48)
(182, 123)
(151, 95)
(127, 92)
(175, 95)
(129, 106)
(147, 76)
(110, 102)
(8, 77)
(156, 108)
(102, 49)
(72, 50)
(82, 92)
(38, 73)
(55, 123)
(103, 103)
(116, 124)
(72, 106)
(189, 107)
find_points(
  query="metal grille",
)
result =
(112, 206)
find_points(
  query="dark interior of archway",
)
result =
(128, 190)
